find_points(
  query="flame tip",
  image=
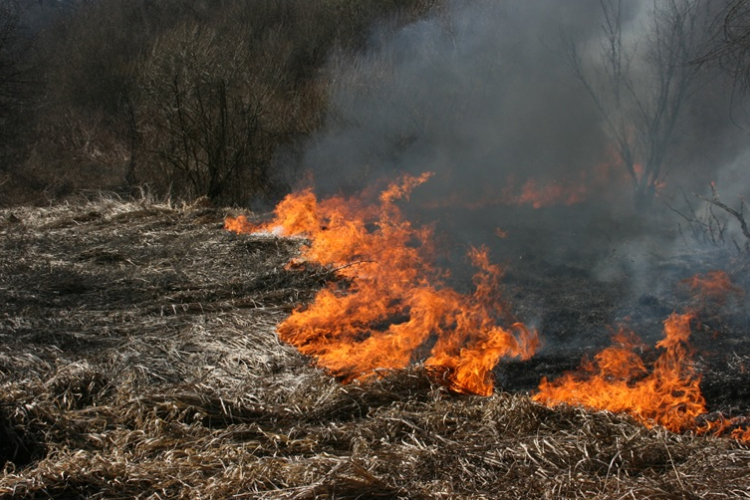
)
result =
(391, 308)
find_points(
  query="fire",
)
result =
(393, 307)
(618, 380)
(715, 287)
(667, 395)
(659, 184)
(238, 225)
(501, 233)
(392, 301)
(577, 187)
(531, 193)
(540, 195)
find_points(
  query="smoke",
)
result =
(483, 94)
(480, 93)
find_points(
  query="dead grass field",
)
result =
(138, 359)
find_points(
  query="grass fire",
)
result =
(361, 249)
(140, 355)
(393, 299)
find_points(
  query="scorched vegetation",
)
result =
(139, 359)
(492, 271)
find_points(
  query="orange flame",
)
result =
(659, 184)
(537, 193)
(394, 301)
(238, 225)
(714, 286)
(540, 195)
(668, 395)
(619, 381)
(534, 193)
(501, 233)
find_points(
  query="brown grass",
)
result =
(138, 359)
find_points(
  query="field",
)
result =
(139, 359)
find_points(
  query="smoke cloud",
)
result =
(479, 93)
(482, 93)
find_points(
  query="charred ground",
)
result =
(138, 358)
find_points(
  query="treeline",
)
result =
(187, 97)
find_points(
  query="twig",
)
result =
(714, 200)
(337, 269)
(674, 467)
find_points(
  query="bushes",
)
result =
(217, 106)
(16, 82)
(190, 97)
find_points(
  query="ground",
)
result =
(138, 358)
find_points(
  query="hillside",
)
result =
(138, 358)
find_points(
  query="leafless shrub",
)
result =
(730, 44)
(215, 109)
(738, 215)
(641, 94)
(192, 98)
(707, 226)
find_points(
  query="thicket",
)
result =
(188, 97)
(16, 80)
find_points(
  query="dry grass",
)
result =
(138, 360)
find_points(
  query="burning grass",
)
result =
(397, 300)
(138, 358)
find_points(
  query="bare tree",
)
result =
(640, 94)
(730, 44)
(212, 108)
(198, 104)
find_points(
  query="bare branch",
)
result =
(714, 200)
(640, 114)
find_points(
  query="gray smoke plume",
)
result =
(483, 94)
(478, 93)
